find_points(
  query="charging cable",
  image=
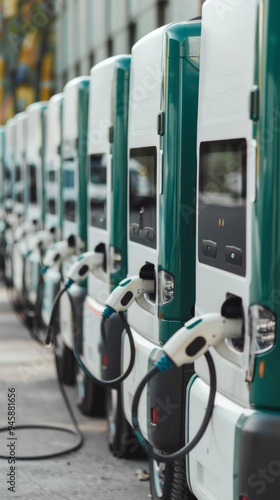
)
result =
(187, 345)
(120, 300)
(51, 334)
(75, 432)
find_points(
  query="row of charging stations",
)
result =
(162, 167)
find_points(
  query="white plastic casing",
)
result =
(128, 291)
(57, 253)
(85, 264)
(198, 335)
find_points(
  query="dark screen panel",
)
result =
(32, 184)
(70, 210)
(51, 206)
(222, 205)
(98, 190)
(143, 195)
(222, 179)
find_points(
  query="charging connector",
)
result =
(198, 335)
(128, 291)
(40, 241)
(58, 253)
(25, 229)
(84, 265)
(187, 345)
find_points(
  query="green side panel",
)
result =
(60, 180)
(256, 458)
(82, 158)
(150, 366)
(266, 235)
(168, 328)
(2, 139)
(177, 204)
(33, 265)
(239, 426)
(118, 228)
(189, 387)
(50, 290)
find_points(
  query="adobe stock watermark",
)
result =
(226, 7)
(39, 362)
(264, 476)
(37, 19)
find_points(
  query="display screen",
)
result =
(51, 206)
(70, 189)
(51, 176)
(68, 174)
(70, 210)
(32, 187)
(19, 197)
(222, 205)
(143, 195)
(17, 173)
(222, 174)
(97, 191)
(7, 183)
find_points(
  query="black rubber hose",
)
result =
(51, 339)
(75, 432)
(121, 378)
(51, 330)
(177, 455)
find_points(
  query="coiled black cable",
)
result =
(76, 432)
(177, 455)
(51, 339)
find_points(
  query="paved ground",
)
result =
(88, 474)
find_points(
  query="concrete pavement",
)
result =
(90, 473)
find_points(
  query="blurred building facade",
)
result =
(27, 45)
(45, 43)
(88, 31)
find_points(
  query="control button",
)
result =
(149, 233)
(134, 230)
(233, 255)
(209, 248)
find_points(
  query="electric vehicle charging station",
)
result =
(53, 165)
(35, 202)
(10, 218)
(19, 190)
(237, 221)
(53, 189)
(20, 147)
(161, 228)
(107, 214)
(9, 164)
(2, 210)
(74, 218)
(2, 172)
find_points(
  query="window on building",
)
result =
(132, 34)
(161, 12)
(91, 59)
(77, 69)
(64, 77)
(110, 47)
